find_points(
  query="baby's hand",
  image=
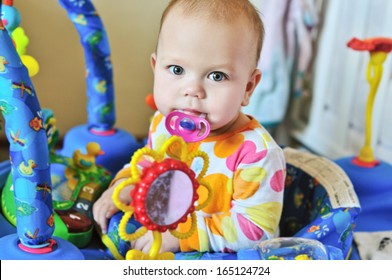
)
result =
(144, 243)
(104, 208)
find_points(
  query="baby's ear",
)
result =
(254, 79)
(153, 60)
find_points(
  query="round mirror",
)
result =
(169, 197)
(165, 195)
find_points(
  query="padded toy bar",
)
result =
(100, 92)
(29, 156)
(99, 73)
(24, 129)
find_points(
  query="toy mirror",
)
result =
(169, 197)
(165, 195)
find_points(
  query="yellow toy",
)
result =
(378, 48)
(164, 195)
(87, 160)
(82, 161)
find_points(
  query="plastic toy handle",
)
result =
(373, 75)
(122, 230)
(116, 196)
(156, 244)
(209, 196)
(205, 158)
(185, 235)
(378, 48)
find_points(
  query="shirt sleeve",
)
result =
(123, 173)
(254, 207)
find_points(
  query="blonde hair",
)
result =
(225, 10)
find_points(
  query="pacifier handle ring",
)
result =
(207, 128)
(169, 125)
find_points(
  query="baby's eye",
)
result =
(217, 76)
(176, 70)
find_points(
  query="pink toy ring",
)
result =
(190, 128)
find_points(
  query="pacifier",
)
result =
(190, 128)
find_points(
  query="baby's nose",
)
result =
(195, 91)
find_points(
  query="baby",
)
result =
(205, 67)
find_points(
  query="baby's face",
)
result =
(204, 67)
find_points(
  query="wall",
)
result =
(132, 28)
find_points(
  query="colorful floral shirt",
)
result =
(246, 172)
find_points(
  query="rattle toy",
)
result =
(190, 128)
(164, 195)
